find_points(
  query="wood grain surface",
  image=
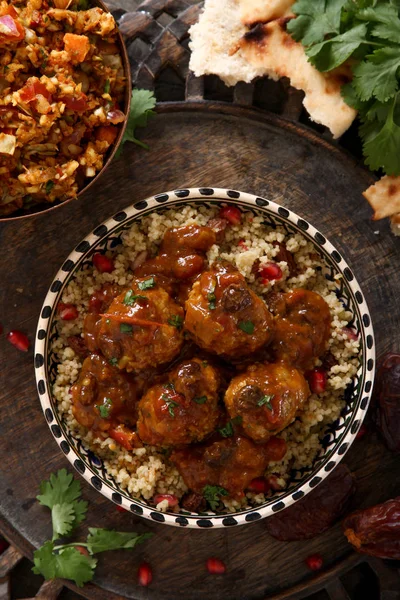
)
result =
(192, 145)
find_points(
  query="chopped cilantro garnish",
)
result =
(170, 403)
(131, 298)
(176, 321)
(265, 401)
(211, 297)
(169, 386)
(49, 186)
(246, 326)
(227, 431)
(113, 361)
(213, 494)
(147, 284)
(104, 409)
(107, 86)
(200, 399)
(125, 328)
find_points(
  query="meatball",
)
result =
(266, 398)
(224, 316)
(182, 410)
(302, 327)
(181, 254)
(230, 463)
(142, 328)
(103, 395)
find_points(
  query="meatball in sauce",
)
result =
(224, 316)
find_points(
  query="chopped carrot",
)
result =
(132, 320)
(106, 134)
(77, 46)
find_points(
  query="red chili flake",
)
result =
(231, 214)
(242, 244)
(19, 340)
(102, 263)
(172, 500)
(317, 379)
(258, 485)
(67, 312)
(82, 550)
(273, 483)
(215, 566)
(270, 272)
(314, 562)
(3, 546)
(145, 574)
(361, 432)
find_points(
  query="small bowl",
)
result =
(46, 207)
(341, 433)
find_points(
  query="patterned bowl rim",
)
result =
(193, 196)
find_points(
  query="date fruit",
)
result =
(387, 414)
(318, 511)
(375, 530)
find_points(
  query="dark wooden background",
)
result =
(197, 144)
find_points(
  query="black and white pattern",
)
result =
(340, 434)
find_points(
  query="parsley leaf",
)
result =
(101, 540)
(125, 328)
(131, 298)
(265, 401)
(68, 564)
(213, 494)
(246, 326)
(176, 321)
(142, 104)
(147, 284)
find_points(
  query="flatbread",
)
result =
(271, 47)
(384, 197)
(262, 11)
(222, 45)
(395, 224)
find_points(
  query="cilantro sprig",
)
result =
(142, 104)
(368, 32)
(212, 494)
(61, 494)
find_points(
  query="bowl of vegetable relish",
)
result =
(64, 95)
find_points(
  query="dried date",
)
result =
(387, 397)
(316, 512)
(285, 256)
(193, 502)
(375, 530)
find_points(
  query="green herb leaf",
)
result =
(113, 361)
(101, 540)
(107, 86)
(266, 401)
(334, 52)
(246, 326)
(200, 399)
(104, 409)
(377, 76)
(147, 284)
(142, 105)
(226, 431)
(176, 321)
(49, 186)
(68, 564)
(383, 149)
(170, 403)
(63, 517)
(213, 494)
(125, 328)
(316, 19)
(130, 298)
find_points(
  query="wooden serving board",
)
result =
(194, 144)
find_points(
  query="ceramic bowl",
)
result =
(340, 434)
(46, 207)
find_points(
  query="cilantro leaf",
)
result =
(62, 516)
(104, 409)
(147, 284)
(176, 321)
(266, 401)
(331, 53)
(125, 328)
(213, 494)
(142, 104)
(68, 564)
(382, 150)
(377, 75)
(315, 20)
(200, 399)
(100, 540)
(130, 298)
(246, 326)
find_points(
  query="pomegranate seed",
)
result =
(102, 263)
(172, 500)
(3, 546)
(120, 508)
(314, 562)
(242, 244)
(317, 379)
(273, 483)
(270, 272)
(259, 485)
(82, 550)
(350, 333)
(231, 214)
(361, 432)
(215, 566)
(95, 304)
(67, 312)
(19, 340)
(1, 329)
(145, 574)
